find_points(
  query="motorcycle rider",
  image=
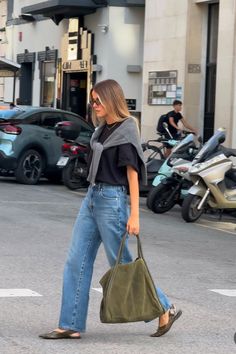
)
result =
(172, 119)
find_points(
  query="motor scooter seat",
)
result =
(154, 165)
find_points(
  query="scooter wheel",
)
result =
(158, 198)
(151, 197)
(70, 179)
(190, 212)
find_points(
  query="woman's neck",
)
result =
(110, 120)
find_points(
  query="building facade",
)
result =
(189, 54)
(174, 49)
(64, 47)
(3, 42)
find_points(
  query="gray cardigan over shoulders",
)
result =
(127, 132)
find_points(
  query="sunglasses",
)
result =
(96, 101)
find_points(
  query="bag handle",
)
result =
(122, 244)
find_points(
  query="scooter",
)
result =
(214, 179)
(74, 156)
(153, 163)
(169, 188)
(155, 159)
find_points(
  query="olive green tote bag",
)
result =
(129, 294)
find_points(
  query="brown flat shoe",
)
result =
(164, 329)
(60, 335)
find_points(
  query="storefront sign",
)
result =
(75, 65)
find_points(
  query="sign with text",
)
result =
(75, 65)
(162, 86)
(131, 103)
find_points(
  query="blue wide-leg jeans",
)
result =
(102, 218)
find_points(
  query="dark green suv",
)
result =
(29, 147)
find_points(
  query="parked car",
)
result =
(29, 147)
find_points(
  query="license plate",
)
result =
(62, 161)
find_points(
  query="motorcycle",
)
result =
(74, 156)
(214, 179)
(153, 164)
(154, 161)
(73, 160)
(170, 187)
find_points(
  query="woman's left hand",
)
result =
(133, 225)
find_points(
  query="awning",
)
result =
(59, 9)
(8, 68)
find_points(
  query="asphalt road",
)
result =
(186, 260)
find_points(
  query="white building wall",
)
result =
(22, 3)
(35, 37)
(164, 49)
(3, 44)
(175, 36)
(225, 104)
(120, 46)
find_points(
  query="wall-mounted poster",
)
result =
(162, 86)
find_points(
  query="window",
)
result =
(47, 84)
(34, 119)
(50, 119)
(86, 130)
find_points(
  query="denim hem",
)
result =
(71, 328)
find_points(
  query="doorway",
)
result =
(75, 92)
(211, 63)
(26, 84)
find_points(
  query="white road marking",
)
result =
(223, 227)
(17, 292)
(98, 289)
(226, 292)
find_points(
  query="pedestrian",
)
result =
(116, 164)
(172, 118)
(12, 105)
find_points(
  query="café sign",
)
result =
(75, 65)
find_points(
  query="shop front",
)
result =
(76, 86)
(77, 78)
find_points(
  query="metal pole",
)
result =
(14, 87)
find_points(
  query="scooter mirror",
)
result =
(221, 139)
(199, 139)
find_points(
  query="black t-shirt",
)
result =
(113, 164)
(177, 117)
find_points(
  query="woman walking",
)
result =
(116, 165)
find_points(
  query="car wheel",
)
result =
(29, 168)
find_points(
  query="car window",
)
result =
(33, 119)
(86, 130)
(50, 119)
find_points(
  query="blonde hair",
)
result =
(112, 97)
